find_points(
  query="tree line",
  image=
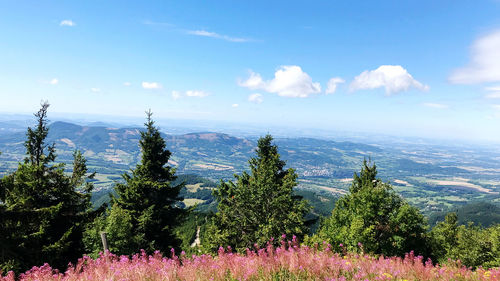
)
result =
(46, 214)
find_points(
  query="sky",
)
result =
(410, 68)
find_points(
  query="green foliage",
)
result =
(321, 206)
(147, 202)
(480, 213)
(102, 197)
(117, 224)
(472, 245)
(373, 214)
(258, 206)
(43, 210)
(188, 230)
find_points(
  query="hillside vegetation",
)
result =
(430, 176)
(46, 215)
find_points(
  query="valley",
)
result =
(432, 176)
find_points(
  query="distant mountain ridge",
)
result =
(432, 177)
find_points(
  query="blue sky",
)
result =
(411, 68)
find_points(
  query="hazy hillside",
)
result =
(434, 177)
(479, 213)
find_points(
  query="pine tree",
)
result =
(149, 198)
(259, 206)
(44, 210)
(373, 214)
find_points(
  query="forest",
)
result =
(47, 217)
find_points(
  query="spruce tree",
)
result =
(43, 209)
(258, 206)
(149, 198)
(373, 214)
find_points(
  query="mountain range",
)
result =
(432, 176)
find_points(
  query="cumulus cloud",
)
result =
(255, 98)
(485, 62)
(234, 105)
(205, 33)
(289, 81)
(95, 90)
(54, 81)
(151, 85)
(67, 23)
(436, 105)
(253, 82)
(331, 87)
(394, 78)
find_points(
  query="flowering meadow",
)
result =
(287, 262)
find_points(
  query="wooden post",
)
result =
(104, 241)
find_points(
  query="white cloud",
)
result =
(255, 98)
(253, 82)
(67, 23)
(127, 84)
(151, 85)
(485, 62)
(289, 81)
(494, 95)
(494, 92)
(234, 105)
(95, 90)
(436, 105)
(176, 95)
(190, 93)
(394, 78)
(493, 89)
(205, 33)
(54, 81)
(196, 93)
(332, 84)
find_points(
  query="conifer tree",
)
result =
(258, 206)
(373, 214)
(149, 198)
(43, 209)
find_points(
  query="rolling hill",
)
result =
(434, 177)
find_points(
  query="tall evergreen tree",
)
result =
(43, 209)
(373, 214)
(260, 205)
(149, 197)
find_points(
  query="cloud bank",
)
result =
(493, 92)
(485, 62)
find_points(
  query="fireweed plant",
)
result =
(290, 261)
